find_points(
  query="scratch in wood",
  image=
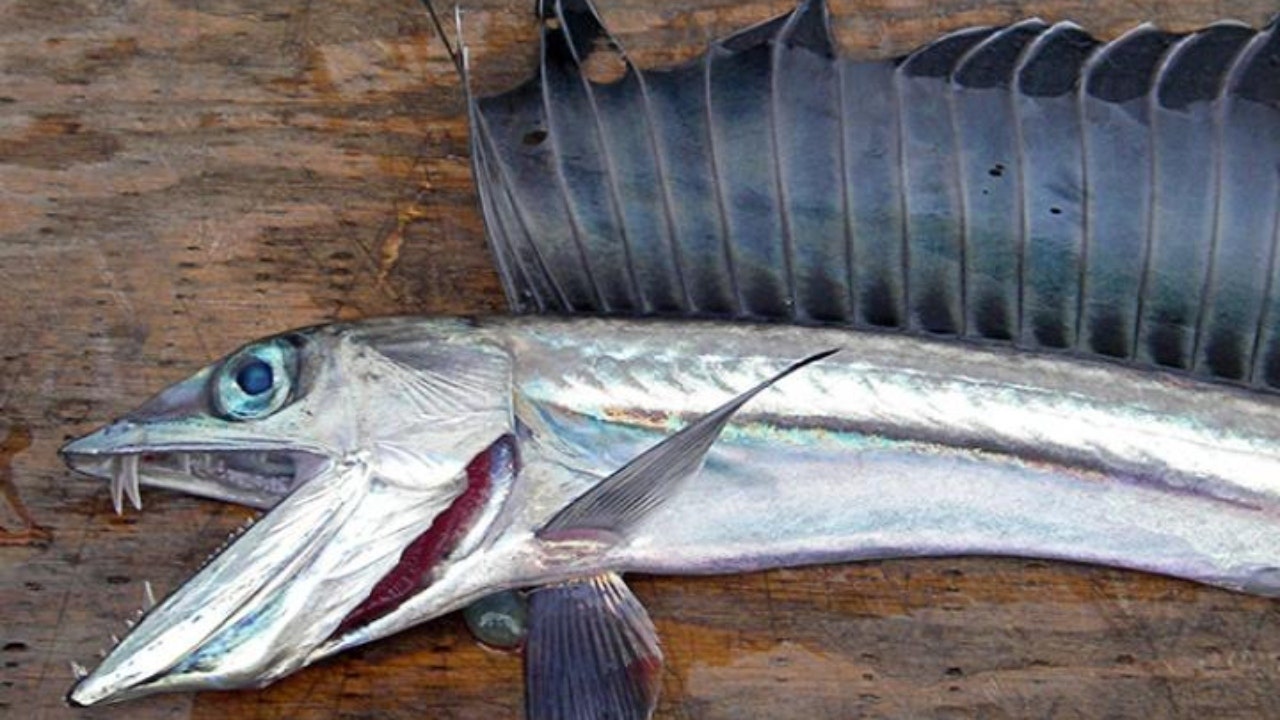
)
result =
(17, 439)
(389, 252)
(108, 277)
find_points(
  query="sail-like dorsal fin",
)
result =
(1028, 185)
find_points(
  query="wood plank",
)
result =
(179, 177)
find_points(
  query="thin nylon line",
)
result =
(444, 38)
(483, 158)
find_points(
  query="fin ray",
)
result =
(591, 652)
(1016, 185)
(615, 504)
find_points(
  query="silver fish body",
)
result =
(893, 446)
(897, 445)
(1106, 391)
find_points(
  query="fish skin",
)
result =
(913, 447)
(895, 446)
(1011, 456)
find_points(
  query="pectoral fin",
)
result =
(623, 498)
(591, 653)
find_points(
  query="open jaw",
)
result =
(258, 478)
(333, 554)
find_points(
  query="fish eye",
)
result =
(254, 382)
(255, 377)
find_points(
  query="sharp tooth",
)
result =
(102, 654)
(129, 623)
(148, 595)
(184, 463)
(78, 670)
(117, 484)
(115, 639)
(130, 482)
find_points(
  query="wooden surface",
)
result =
(180, 176)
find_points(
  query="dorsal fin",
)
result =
(1027, 185)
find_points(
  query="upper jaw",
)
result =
(239, 468)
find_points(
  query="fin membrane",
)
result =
(619, 501)
(591, 653)
(1028, 185)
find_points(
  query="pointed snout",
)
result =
(105, 440)
(140, 430)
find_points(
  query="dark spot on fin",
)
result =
(1054, 69)
(993, 64)
(1127, 69)
(808, 28)
(1166, 345)
(1260, 81)
(938, 59)
(1196, 75)
(1224, 354)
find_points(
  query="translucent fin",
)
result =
(986, 126)
(931, 184)
(1185, 141)
(1028, 185)
(591, 653)
(1052, 173)
(1118, 177)
(1239, 288)
(631, 493)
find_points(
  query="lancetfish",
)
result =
(1012, 294)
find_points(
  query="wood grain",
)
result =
(180, 176)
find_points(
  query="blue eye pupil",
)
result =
(255, 377)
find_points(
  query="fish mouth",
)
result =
(185, 642)
(256, 477)
(335, 551)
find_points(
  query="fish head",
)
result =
(376, 446)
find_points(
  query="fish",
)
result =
(722, 360)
